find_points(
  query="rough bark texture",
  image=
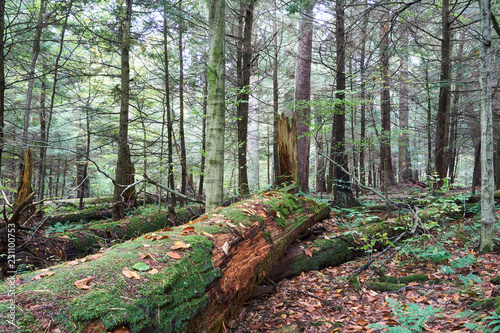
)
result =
(404, 160)
(287, 146)
(216, 105)
(253, 138)
(124, 168)
(443, 119)
(303, 93)
(184, 176)
(2, 77)
(24, 188)
(229, 253)
(487, 172)
(385, 107)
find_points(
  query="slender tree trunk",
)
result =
(443, 115)
(362, 135)
(487, 174)
(253, 137)
(320, 160)
(243, 96)
(2, 78)
(404, 160)
(31, 74)
(385, 107)
(170, 170)
(275, 96)
(303, 93)
(203, 134)
(216, 104)
(429, 122)
(43, 133)
(181, 106)
(124, 167)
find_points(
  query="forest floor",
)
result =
(326, 301)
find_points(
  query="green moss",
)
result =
(495, 280)
(405, 279)
(381, 286)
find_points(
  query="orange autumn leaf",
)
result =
(130, 274)
(83, 283)
(43, 274)
(95, 256)
(180, 246)
(174, 255)
(188, 229)
(167, 229)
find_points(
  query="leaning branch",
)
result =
(180, 195)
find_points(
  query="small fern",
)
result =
(488, 324)
(410, 317)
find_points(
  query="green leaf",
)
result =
(140, 266)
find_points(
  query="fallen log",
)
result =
(184, 279)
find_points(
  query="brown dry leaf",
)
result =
(167, 229)
(147, 236)
(184, 234)
(180, 246)
(174, 255)
(208, 235)
(188, 229)
(144, 256)
(83, 283)
(95, 256)
(43, 274)
(162, 237)
(308, 252)
(73, 263)
(154, 271)
(146, 245)
(248, 212)
(241, 225)
(130, 274)
(231, 225)
(225, 247)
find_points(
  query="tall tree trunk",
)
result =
(243, 95)
(275, 95)
(429, 166)
(385, 107)
(404, 160)
(487, 175)
(320, 160)
(362, 134)
(2, 78)
(288, 154)
(31, 74)
(170, 169)
(303, 93)
(181, 106)
(216, 104)
(43, 133)
(253, 137)
(443, 115)
(124, 168)
(203, 133)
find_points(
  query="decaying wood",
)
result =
(24, 189)
(287, 145)
(196, 285)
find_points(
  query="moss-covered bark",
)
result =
(196, 287)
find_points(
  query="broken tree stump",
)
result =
(185, 279)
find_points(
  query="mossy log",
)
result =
(331, 252)
(85, 216)
(185, 279)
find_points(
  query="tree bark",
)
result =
(253, 137)
(181, 105)
(404, 160)
(385, 107)
(287, 143)
(2, 78)
(275, 95)
(443, 118)
(124, 167)
(487, 173)
(303, 93)
(216, 105)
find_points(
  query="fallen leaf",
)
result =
(43, 274)
(308, 252)
(146, 245)
(153, 271)
(95, 256)
(188, 229)
(130, 274)
(180, 246)
(144, 256)
(174, 255)
(83, 283)
(208, 235)
(140, 266)
(225, 247)
(231, 225)
(167, 229)
(73, 263)
(241, 225)
(162, 237)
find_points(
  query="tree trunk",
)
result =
(2, 78)
(31, 74)
(181, 106)
(247, 9)
(362, 134)
(385, 106)
(197, 288)
(288, 159)
(303, 93)
(487, 175)
(443, 115)
(124, 167)
(404, 160)
(170, 168)
(216, 105)
(320, 160)
(253, 137)
(275, 96)
(203, 133)
(24, 189)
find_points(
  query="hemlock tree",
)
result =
(124, 168)
(216, 104)
(487, 173)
